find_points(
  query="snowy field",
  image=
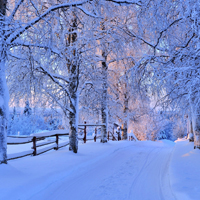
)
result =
(115, 170)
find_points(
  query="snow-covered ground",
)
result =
(115, 170)
(185, 171)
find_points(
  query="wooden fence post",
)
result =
(57, 138)
(95, 135)
(34, 146)
(118, 133)
(84, 139)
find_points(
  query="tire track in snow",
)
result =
(145, 165)
(152, 181)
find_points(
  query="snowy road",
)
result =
(116, 170)
(127, 173)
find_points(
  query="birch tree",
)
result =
(3, 87)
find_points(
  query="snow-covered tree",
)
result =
(27, 109)
(3, 87)
(18, 29)
(169, 34)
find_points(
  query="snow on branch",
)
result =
(88, 13)
(25, 44)
(164, 30)
(15, 35)
(64, 108)
(10, 38)
(122, 58)
(84, 85)
(34, 6)
(138, 3)
(51, 76)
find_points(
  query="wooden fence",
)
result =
(112, 136)
(39, 142)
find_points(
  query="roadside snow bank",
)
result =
(185, 171)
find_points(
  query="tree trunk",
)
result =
(3, 114)
(3, 88)
(190, 126)
(197, 132)
(125, 125)
(73, 116)
(73, 132)
(73, 68)
(190, 131)
(124, 131)
(104, 110)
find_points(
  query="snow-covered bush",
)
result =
(27, 124)
(166, 131)
(23, 125)
(162, 135)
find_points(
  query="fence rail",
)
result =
(38, 141)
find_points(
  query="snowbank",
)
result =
(185, 171)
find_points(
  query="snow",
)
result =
(19, 154)
(185, 171)
(50, 133)
(133, 135)
(15, 140)
(44, 149)
(190, 136)
(113, 170)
